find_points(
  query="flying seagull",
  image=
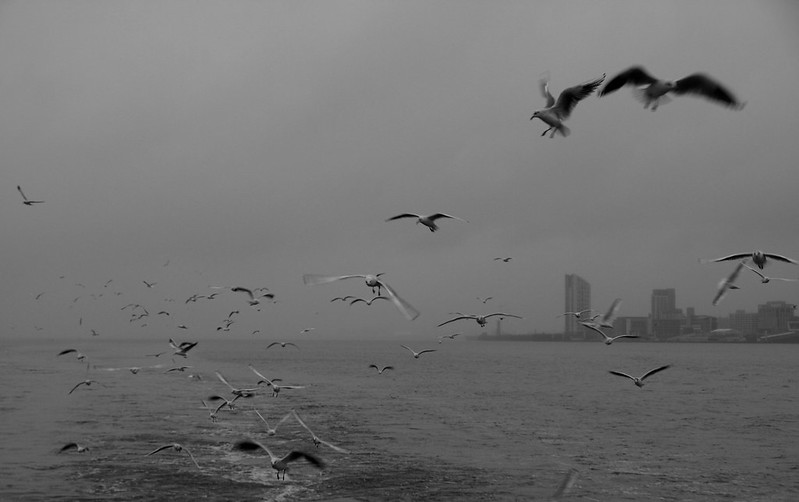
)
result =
(758, 257)
(417, 354)
(381, 370)
(282, 344)
(428, 220)
(177, 447)
(235, 391)
(557, 111)
(504, 260)
(25, 199)
(608, 339)
(77, 447)
(481, 319)
(277, 463)
(765, 279)
(577, 315)
(275, 387)
(87, 383)
(374, 282)
(451, 337)
(652, 91)
(369, 302)
(78, 355)
(342, 298)
(183, 348)
(271, 431)
(253, 300)
(314, 437)
(639, 381)
(728, 283)
(607, 319)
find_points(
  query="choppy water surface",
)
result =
(472, 421)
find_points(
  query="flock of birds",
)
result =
(651, 91)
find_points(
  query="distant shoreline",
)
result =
(559, 337)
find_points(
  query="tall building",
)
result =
(666, 318)
(773, 317)
(578, 297)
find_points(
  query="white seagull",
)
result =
(369, 302)
(417, 354)
(608, 339)
(25, 199)
(282, 344)
(79, 355)
(177, 447)
(481, 319)
(381, 370)
(765, 279)
(314, 437)
(279, 464)
(758, 257)
(234, 390)
(451, 337)
(428, 220)
(77, 447)
(606, 320)
(652, 91)
(557, 111)
(253, 300)
(728, 283)
(639, 381)
(275, 387)
(183, 348)
(87, 383)
(577, 315)
(374, 282)
(271, 431)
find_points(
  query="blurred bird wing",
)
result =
(268, 381)
(403, 215)
(544, 86)
(434, 217)
(610, 315)
(250, 445)
(406, 308)
(294, 455)
(314, 279)
(781, 258)
(19, 188)
(635, 75)
(160, 448)
(244, 290)
(67, 351)
(703, 85)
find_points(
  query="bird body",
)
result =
(381, 370)
(557, 111)
(639, 381)
(280, 464)
(26, 200)
(766, 279)
(314, 437)
(417, 354)
(653, 91)
(428, 220)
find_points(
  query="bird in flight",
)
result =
(280, 464)
(314, 437)
(73, 446)
(282, 344)
(766, 279)
(253, 300)
(369, 302)
(653, 91)
(728, 283)
(557, 111)
(504, 260)
(26, 200)
(87, 383)
(608, 339)
(271, 431)
(606, 320)
(235, 391)
(417, 354)
(177, 447)
(374, 282)
(577, 315)
(379, 369)
(273, 383)
(639, 381)
(481, 319)
(758, 257)
(428, 220)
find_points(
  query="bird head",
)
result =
(535, 114)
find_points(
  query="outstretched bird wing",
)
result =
(570, 96)
(781, 258)
(655, 370)
(314, 279)
(434, 217)
(544, 86)
(619, 373)
(406, 308)
(403, 215)
(457, 319)
(313, 459)
(702, 85)
(635, 75)
(243, 290)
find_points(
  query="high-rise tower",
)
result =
(578, 297)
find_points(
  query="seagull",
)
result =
(652, 91)
(577, 315)
(149, 284)
(225, 402)
(282, 344)
(374, 282)
(77, 447)
(306, 330)
(177, 447)
(728, 283)
(177, 368)
(381, 370)
(639, 381)
(253, 300)
(606, 320)
(277, 463)
(557, 111)
(428, 220)
(481, 319)
(342, 298)
(314, 437)
(505, 260)
(417, 354)
(608, 339)
(183, 348)
(485, 299)
(451, 337)
(369, 302)
(234, 390)
(269, 430)
(78, 355)
(758, 257)
(27, 201)
(86, 383)
(275, 387)
(765, 279)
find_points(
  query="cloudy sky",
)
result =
(248, 143)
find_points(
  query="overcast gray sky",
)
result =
(247, 143)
